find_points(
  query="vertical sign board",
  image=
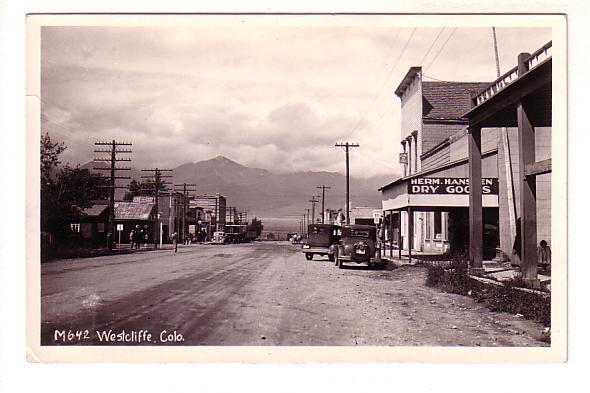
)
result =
(119, 229)
(449, 185)
(403, 158)
(377, 215)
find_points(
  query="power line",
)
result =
(186, 188)
(159, 185)
(441, 49)
(434, 79)
(347, 146)
(383, 84)
(313, 202)
(375, 125)
(431, 46)
(381, 162)
(112, 159)
(324, 188)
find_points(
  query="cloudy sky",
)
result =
(269, 92)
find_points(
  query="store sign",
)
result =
(403, 158)
(143, 199)
(449, 185)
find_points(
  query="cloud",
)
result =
(274, 97)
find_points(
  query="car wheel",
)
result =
(370, 265)
(308, 256)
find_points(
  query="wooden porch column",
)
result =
(475, 203)
(400, 238)
(528, 188)
(410, 233)
(391, 233)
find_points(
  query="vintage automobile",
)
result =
(322, 239)
(358, 243)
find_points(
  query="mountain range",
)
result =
(262, 192)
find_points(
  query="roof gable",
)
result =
(133, 211)
(94, 210)
(448, 100)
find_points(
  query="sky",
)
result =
(275, 93)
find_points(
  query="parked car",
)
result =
(322, 239)
(358, 243)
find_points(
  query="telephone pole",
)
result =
(159, 185)
(113, 159)
(185, 197)
(507, 155)
(347, 146)
(313, 202)
(324, 188)
(306, 216)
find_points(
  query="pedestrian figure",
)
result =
(137, 236)
(131, 238)
(146, 235)
(544, 255)
(175, 241)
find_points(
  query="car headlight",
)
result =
(306, 246)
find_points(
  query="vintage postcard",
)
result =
(296, 188)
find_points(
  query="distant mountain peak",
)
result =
(223, 160)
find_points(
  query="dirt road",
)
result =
(259, 294)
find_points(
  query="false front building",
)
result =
(428, 208)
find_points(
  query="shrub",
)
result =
(454, 278)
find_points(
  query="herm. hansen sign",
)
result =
(449, 185)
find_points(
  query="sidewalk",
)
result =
(492, 269)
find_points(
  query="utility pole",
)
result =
(113, 159)
(313, 202)
(507, 157)
(185, 198)
(324, 188)
(307, 222)
(159, 185)
(347, 146)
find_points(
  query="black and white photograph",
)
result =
(277, 182)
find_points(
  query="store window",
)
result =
(75, 228)
(437, 225)
(100, 227)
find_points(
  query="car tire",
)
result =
(308, 256)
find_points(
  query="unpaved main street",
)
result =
(259, 294)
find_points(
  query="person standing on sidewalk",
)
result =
(175, 241)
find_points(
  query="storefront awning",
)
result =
(444, 187)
